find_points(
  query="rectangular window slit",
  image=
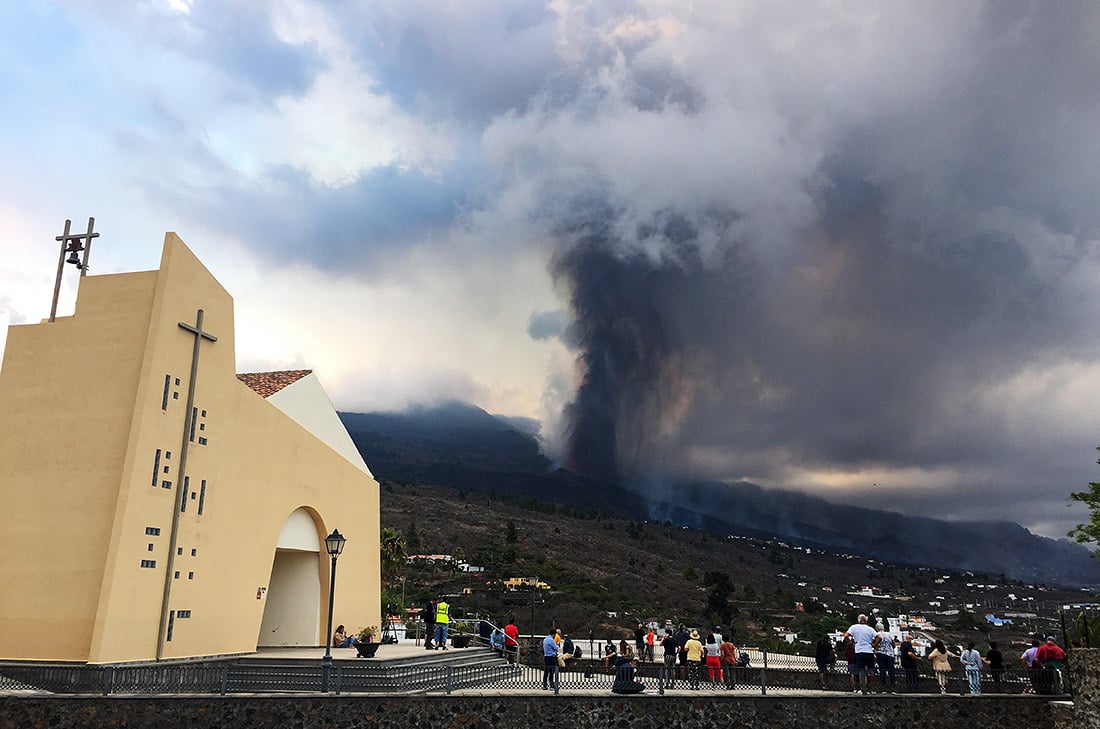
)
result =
(202, 494)
(164, 398)
(156, 466)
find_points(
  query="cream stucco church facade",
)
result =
(130, 531)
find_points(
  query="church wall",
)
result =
(129, 614)
(66, 392)
(84, 460)
(307, 403)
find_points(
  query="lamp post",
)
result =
(334, 545)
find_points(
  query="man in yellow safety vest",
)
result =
(442, 621)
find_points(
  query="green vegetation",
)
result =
(1089, 532)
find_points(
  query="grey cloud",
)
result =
(237, 38)
(347, 229)
(456, 61)
(547, 324)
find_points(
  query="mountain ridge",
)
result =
(462, 446)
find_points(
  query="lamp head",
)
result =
(334, 543)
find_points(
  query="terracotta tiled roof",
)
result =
(267, 384)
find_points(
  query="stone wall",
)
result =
(1084, 676)
(606, 711)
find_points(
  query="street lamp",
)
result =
(334, 545)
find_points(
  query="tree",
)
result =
(412, 538)
(1089, 532)
(393, 553)
(719, 588)
(511, 536)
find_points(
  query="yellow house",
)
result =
(158, 505)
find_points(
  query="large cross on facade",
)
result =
(181, 475)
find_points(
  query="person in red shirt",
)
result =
(511, 640)
(1050, 658)
(1050, 654)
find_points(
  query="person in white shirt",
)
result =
(863, 635)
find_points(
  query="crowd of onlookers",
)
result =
(871, 651)
(874, 659)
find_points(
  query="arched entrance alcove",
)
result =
(292, 612)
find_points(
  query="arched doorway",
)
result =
(292, 612)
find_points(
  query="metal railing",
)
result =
(489, 674)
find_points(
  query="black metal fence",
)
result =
(257, 676)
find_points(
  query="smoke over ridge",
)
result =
(820, 264)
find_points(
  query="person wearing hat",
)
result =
(693, 649)
(1050, 657)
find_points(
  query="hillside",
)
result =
(462, 447)
(597, 566)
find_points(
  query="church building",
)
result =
(158, 505)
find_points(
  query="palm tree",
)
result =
(393, 553)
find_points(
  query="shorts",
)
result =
(865, 662)
(853, 668)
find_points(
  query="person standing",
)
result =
(682, 638)
(996, 663)
(639, 641)
(824, 656)
(650, 640)
(550, 651)
(909, 660)
(429, 625)
(442, 623)
(713, 649)
(972, 665)
(511, 641)
(850, 659)
(728, 651)
(883, 644)
(1032, 664)
(941, 664)
(863, 634)
(671, 650)
(1050, 658)
(693, 650)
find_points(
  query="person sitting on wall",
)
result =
(340, 639)
(625, 683)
